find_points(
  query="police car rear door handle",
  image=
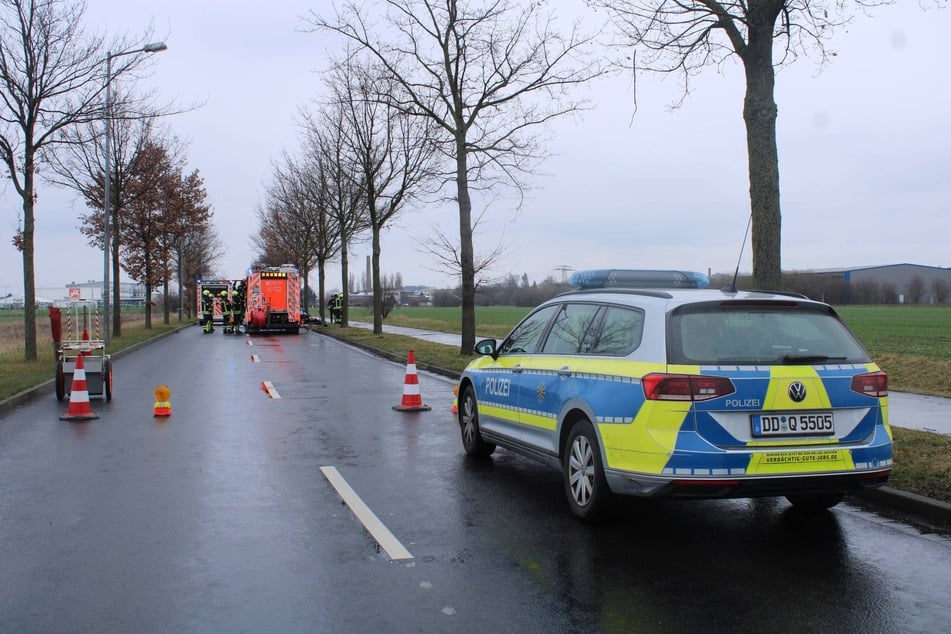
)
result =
(565, 371)
(518, 369)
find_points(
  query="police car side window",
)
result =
(620, 333)
(526, 335)
(569, 328)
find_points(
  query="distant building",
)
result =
(883, 284)
(130, 293)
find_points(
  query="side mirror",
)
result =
(487, 347)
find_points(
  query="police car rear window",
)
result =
(784, 333)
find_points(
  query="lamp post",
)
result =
(153, 47)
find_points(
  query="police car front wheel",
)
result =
(472, 440)
(585, 485)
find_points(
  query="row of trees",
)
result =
(487, 77)
(475, 82)
(53, 112)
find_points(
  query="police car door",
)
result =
(498, 384)
(550, 378)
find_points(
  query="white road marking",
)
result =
(370, 521)
(271, 390)
(256, 358)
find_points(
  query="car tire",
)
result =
(814, 502)
(585, 485)
(60, 381)
(472, 440)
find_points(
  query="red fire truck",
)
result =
(272, 296)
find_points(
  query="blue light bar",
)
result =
(638, 278)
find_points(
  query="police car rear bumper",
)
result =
(641, 485)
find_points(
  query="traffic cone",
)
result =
(162, 406)
(412, 401)
(86, 347)
(455, 399)
(79, 395)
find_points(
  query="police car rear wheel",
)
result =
(472, 440)
(585, 486)
(814, 502)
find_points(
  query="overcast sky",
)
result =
(863, 154)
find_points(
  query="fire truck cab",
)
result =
(272, 299)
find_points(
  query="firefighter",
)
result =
(207, 311)
(227, 314)
(237, 306)
(330, 306)
(337, 311)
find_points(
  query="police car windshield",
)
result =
(785, 333)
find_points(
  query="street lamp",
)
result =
(153, 47)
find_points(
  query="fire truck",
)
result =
(272, 296)
(215, 286)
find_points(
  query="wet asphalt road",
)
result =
(219, 519)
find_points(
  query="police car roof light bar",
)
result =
(638, 278)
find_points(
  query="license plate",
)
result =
(793, 424)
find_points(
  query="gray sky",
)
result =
(863, 154)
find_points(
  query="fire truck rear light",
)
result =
(685, 387)
(871, 384)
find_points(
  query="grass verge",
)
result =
(17, 374)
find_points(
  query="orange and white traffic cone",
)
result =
(79, 395)
(455, 399)
(86, 346)
(412, 401)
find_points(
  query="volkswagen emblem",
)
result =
(797, 391)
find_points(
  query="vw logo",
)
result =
(797, 391)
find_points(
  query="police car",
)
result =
(652, 384)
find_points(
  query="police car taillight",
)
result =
(685, 387)
(871, 384)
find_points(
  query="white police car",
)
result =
(647, 383)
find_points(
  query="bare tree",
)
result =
(294, 221)
(395, 154)
(51, 78)
(491, 75)
(343, 185)
(939, 289)
(915, 289)
(446, 253)
(686, 36)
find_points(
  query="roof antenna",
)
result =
(731, 288)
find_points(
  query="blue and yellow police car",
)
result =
(652, 384)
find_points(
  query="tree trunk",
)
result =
(165, 306)
(466, 257)
(759, 115)
(148, 296)
(321, 300)
(29, 274)
(344, 280)
(377, 286)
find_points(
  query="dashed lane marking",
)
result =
(270, 389)
(255, 358)
(387, 541)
